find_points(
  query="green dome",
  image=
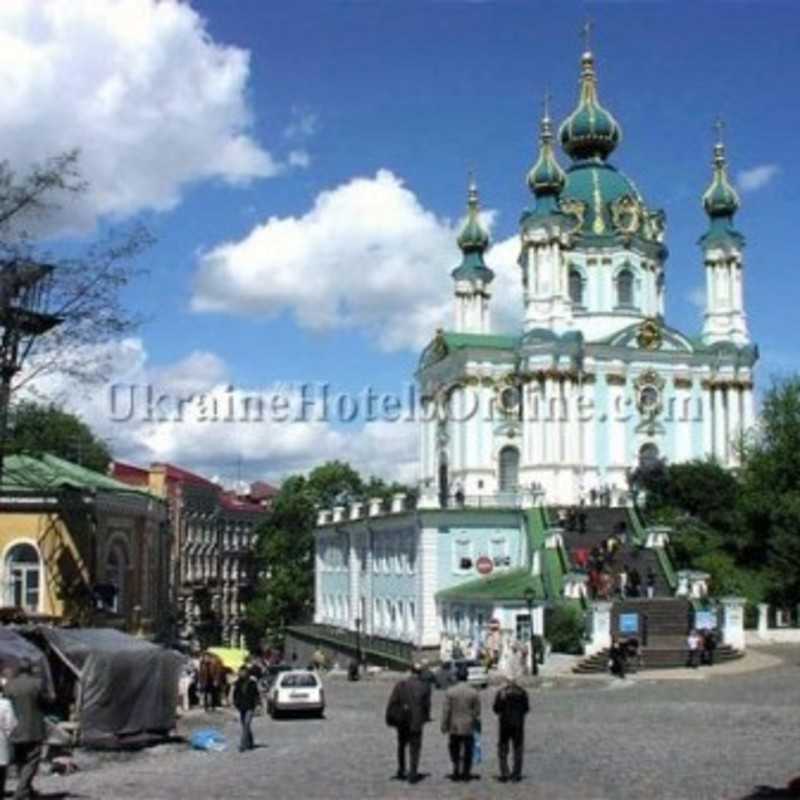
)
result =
(473, 241)
(592, 190)
(720, 199)
(589, 131)
(546, 176)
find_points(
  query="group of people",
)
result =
(22, 726)
(701, 646)
(409, 709)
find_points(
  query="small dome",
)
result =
(473, 237)
(589, 131)
(546, 176)
(473, 241)
(720, 199)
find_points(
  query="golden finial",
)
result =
(719, 145)
(586, 35)
(472, 189)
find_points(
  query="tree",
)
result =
(48, 429)
(83, 290)
(285, 594)
(770, 498)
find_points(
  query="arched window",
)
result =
(116, 570)
(23, 577)
(509, 469)
(575, 282)
(648, 456)
(625, 288)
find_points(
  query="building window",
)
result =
(625, 288)
(463, 555)
(648, 456)
(116, 570)
(401, 614)
(509, 469)
(499, 552)
(23, 577)
(575, 282)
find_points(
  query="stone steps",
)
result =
(654, 658)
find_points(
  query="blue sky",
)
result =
(406, 97)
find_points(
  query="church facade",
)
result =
(596, 383)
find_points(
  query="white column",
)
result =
(719, 424)
(763, 620)
(708, 420)
(319, 612)
(733, 621)
(427, 565)
(734, 424)
(600, 628)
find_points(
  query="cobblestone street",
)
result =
(714, 738)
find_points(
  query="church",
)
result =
(557, 414)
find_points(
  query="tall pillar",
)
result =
(354, 578)
(719, 424)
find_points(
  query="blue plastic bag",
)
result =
(208, 739)
(477, 752)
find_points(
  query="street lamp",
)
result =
(24, 289)
(358, 642)
(530, 596)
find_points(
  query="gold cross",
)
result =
(586, 32)
(546, 104)
(719, 127)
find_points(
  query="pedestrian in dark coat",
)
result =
(28, 696)
(408, 710)
(246, 698)
(461, 716)
(511, 704)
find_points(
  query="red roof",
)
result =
(233, 503)
(181, 475)
(129, 474)
(261, 490)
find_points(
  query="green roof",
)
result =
(48, 472)
(499, 586)
(490, 340)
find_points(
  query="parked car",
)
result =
(296, 690)
(477, 675)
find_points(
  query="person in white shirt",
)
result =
(8, 721)
(694, 643)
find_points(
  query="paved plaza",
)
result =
(718, 736)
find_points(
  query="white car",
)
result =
(296, 690)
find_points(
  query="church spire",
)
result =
(720, 199)
(546, 178)
(473, 241)
(589, 131)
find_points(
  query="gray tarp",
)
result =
(14, 647)
(128, 687)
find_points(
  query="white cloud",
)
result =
(367, 255)
(750, 180)
(151, 100)
(303, 124)
(299, 158)
(139, 413)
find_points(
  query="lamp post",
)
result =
(24, 290)
(530, 595)
(358, 642)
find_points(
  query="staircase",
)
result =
(666, 656)
(604, 522)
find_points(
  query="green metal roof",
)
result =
(501, 586)
(48, 472)
(491, 340)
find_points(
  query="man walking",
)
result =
(26, 692)
(461, 715)
(408, 710)
(245, 698)
(511, 705)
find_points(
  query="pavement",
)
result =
(719, 733)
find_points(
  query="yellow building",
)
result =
(82, 547)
